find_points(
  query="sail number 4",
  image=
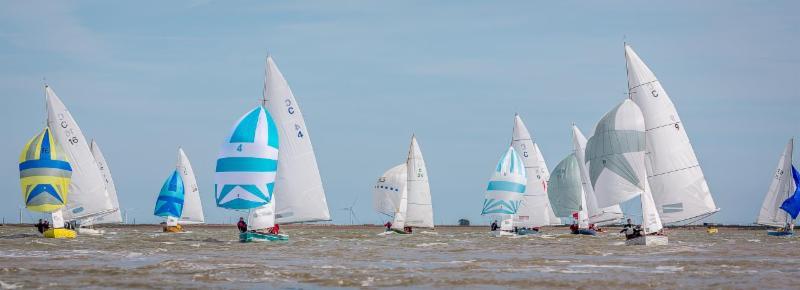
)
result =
(290, 109)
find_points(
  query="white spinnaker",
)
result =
(116, 216)
(781, 187)
(88, 196)
(192, 207)
(597, 215)
(298, 188)
(679, 188)
(535, 209)
(420, 209)
(390, 196)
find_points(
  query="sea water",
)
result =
(358, 257)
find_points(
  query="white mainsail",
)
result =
(192, 207)
(615, 157)
(116, 216)
(780, 189)
(597, 215)
(88, 196)
(535, 209)
(298, 188)
(680, 190)
(420, 209)
(390, 196)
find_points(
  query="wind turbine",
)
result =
(352, 213)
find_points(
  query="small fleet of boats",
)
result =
(266, 168)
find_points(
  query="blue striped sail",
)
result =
(247, 162)
(44, 173)
(507, 185)
(170, 199)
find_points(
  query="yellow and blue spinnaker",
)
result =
(44, 173)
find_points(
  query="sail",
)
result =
(565, 190)
(779, 190)
(535, 209)
(506, 186)
(116, 216)
(615, 155)
(792, 204)
(651, 221)
(170, 200)
(262, 217)
(247, 161)
(679, 188)
(192, 208)
(44, 173)
(420, 209)
(88, 195)
(599, 216)
(300, 196)
(388, 191)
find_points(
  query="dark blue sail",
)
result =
(792, 204)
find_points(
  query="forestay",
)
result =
(299, 193)
(779, 190)
(679, 188)
(88, 196)
(192, 207)
(116, 216)
(506, 186)
(535, 209)
(597, 215)
(420, 209)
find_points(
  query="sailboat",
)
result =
(89, 197)
(87, 226)
(404, 194)
(44, 175)
(535, 210)
(679, 188)
(291, 174)
(504, 192)
(617, 170)
(567, 195)
(782, 201)
(597, 216)
(390, 197)
(179, 198)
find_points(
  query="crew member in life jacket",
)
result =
(630, 230)
(495, 226)
(388, 226)
(241, 225)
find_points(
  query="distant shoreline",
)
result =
(742, 227)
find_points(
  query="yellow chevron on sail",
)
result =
(44, 173)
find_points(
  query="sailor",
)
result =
(628, 229)
(275, 230)
(388, 226)
(46, 225)
(407, 229)
(494, 225)
(241, 225)
(40, 226)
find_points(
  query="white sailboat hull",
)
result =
(648, 241)
(497, 234)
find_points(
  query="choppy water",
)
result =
(322, 257)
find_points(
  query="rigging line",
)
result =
(639, 85)
(673, 171)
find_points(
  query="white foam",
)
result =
(431, 244)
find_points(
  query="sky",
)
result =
(144, 77)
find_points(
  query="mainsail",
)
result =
(535, 209)
(597, 215)
(390, 196)
(779, 190)
(566, 191)
(300, 196)
(116, 216)
(615, 157)
(246, 167)
(44, 173)
(192, 208)
(89, 197)
(679, 188)
(420, 209)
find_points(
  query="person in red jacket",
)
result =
(275, 230)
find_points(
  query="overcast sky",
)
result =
(144, 77)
